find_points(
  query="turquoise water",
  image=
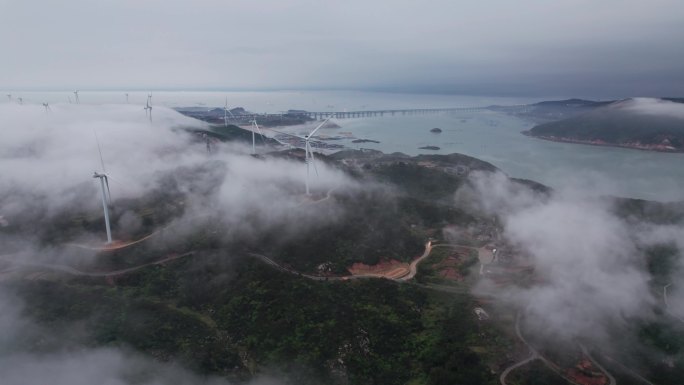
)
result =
(496, 138)
(490, 136)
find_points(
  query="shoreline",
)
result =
(590, 143)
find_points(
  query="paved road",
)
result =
(502, 378)
(611, 379)
(72, 271)
(629, 371)
(533, 353)
(413, 267)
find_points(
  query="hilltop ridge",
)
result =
(639, 123)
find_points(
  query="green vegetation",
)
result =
(534, 373)
(664, 353)
(223, 315)
(617, 125)
(371, 227)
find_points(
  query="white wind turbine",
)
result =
(76, 99)
(226, 111)
(47, 107)
(9, 96)
(21, 100)
(104, 184)
(255, 126)
(126, 97)
(148, 106)
(308, 151)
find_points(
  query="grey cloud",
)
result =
(46, 165)
(528, 47)
(590, 270)
(48, 160)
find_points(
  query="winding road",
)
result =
(413, 267)
(533, 353)
(72, 271)
(611, 379)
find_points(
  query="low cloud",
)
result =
(48, 159)
(46, 165)
(657, 107)
(590, 269)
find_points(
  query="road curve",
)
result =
(413, 267)
(502, 378)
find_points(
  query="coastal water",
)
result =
(496, 138)
(490, 136)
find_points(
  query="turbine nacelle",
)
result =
(308, 151)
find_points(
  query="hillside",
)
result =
(646, 124)
(228, 271)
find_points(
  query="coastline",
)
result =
(651, 148)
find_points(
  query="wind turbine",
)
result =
(9, 96)
(106, 198)
(76, 99)
(255, 125)
(126, 97)
(47, 107)
(21, 100)
(308, 151)
(148, 106)
(226, 111)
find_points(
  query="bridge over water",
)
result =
(409, 111)
(218, 114)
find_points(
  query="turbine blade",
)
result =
(287, 133)
(261, 134)
(319, 126)
(99, 149)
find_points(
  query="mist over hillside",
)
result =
(224, 271)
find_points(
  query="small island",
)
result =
(436, 130)
(365, 141)
(429, 148)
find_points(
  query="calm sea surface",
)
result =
(489, 136)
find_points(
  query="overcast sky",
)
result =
(496, 47)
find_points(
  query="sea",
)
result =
(491, 136)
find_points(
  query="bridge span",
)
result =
(247, 117)
(408, 111)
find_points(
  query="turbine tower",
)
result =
(255, 126)
(104, 184)
(105, 202)
(148, 106)
(308, 151)
(76, 99)
(47, 107)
